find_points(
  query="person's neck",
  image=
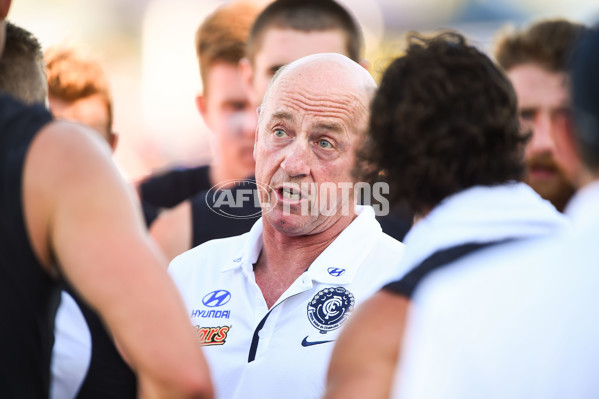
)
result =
(284, 258)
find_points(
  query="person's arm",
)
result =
(172, 230)
(366, 353)
(81, 214)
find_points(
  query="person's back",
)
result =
(58, 218)
(444, 130)
(524, 325)
(84, 359)
(515, 321)
(28, 294)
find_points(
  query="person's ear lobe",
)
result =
(113, 139)
(201, 105)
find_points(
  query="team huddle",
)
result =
(473, 276)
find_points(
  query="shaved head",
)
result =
(331, 72)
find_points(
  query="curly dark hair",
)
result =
(443, 119)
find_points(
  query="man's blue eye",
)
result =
(324, 143)
(280, 133)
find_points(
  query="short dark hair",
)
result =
(585, 98)
(443, 119)
(307, 16)
(547, 43)
(22, 66)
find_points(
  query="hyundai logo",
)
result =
(216, 298)
(335, 271)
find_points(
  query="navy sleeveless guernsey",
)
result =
(28, 296)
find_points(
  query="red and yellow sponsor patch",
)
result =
(212, 335)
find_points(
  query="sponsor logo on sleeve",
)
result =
(335, 271)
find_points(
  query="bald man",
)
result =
(285, 289)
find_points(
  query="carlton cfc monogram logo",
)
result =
(329, 309)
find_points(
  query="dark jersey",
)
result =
(224, 213)
(28, 296)
(170, 188)
(407, 285)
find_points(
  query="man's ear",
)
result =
(201, 105)
(247, 77)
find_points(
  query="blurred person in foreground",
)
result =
(536, 60)
(269, 304)
(59, 218)
(284, 31)
(85, 361)
(444, 130)
(521, 321)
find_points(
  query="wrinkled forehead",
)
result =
(323, 82)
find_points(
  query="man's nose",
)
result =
(297, 158)
(542, 139)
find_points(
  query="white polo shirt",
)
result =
(282, 352)
(517, 321)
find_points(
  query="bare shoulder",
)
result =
(61, 159)
(66, 149)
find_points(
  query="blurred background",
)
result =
(147, 49)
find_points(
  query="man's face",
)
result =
(544, 107)
(91, 111)
(280, 47)
(307, 137)
(226, 110)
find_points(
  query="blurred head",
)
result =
(224, 104)
(313, 118)
(22, 66)
(535, 60)
(78, 90)
(443, 119)
(585, 99)
(290, 29)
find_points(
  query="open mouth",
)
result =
(291, 193)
